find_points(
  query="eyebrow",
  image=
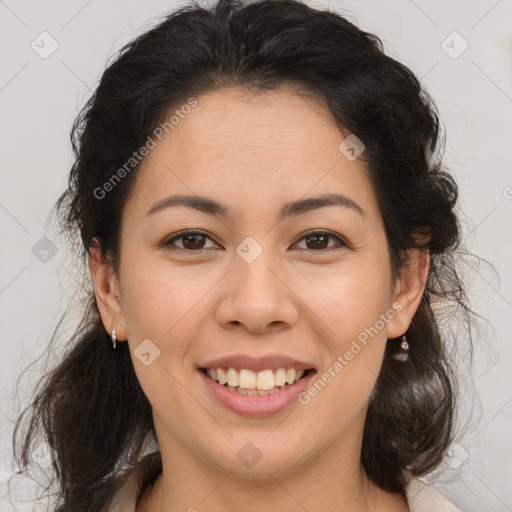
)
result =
(293, 208)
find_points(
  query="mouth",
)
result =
(256, 383)
(255, 386)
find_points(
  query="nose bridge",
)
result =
(256, 295)
(254, 279)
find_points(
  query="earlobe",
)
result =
(107, 295)
(409, 289)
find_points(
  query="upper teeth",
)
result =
(247, 379)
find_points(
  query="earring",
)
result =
(114, 338)
(402, 356)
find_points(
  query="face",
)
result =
(260, 284)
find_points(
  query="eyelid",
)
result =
(181, 234)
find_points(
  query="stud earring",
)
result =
(114, 338)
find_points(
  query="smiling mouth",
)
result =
(262, 383)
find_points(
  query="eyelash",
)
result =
(182, 234)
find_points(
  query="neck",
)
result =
(330, 482)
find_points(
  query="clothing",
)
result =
(421, 497)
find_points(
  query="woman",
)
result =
(267, 223)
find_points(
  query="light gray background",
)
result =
(39, 99)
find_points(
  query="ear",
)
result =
(409, 288)
(106, 289)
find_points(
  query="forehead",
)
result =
(252, 148)
(275, 127)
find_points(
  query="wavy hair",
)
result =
(90, 408)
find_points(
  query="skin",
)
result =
(253, 153)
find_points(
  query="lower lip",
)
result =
(256, 405)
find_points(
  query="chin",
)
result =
(253, 456)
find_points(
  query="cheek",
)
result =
(158, 299)
(351, 305)
(353, 348)
(163, 304)
(349, 300)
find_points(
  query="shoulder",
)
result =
(424, 498)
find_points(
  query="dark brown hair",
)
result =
(90, 408)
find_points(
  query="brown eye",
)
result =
(193, 241)
(188, 241)
(319, 241)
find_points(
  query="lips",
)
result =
(264, 386)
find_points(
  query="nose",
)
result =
(257, 296)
